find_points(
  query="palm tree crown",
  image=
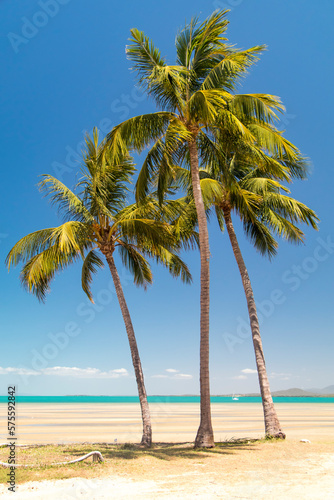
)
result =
(97, 219)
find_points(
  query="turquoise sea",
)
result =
(158, 399)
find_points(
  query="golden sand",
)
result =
(41, 423)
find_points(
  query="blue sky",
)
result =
(64, 72)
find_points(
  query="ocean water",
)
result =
(159, 399)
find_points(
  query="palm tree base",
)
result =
(204, 439)
(146, 441)
(276, 435)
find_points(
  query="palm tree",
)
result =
(239, 182)
(195, 97)
(98, 221)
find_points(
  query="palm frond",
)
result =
(71, 236)
(208, 40)
(38, 272)
(220, 217)
(92, 149)
(181, 178)
(137, 133)
(229, 122)
(212, 192)
(245, 202)
(260, 106)
(272, 140)
(291, 209)
(158, 166)
(68, 204)
(136, 264)
(145, 56)
(166, 85)
(182, 216)
(176, 266)
(28, 246)
(210, 61)
(230, 64)
(270, 166)
(261, 185)
(106, 190)
(298, 167)
(144, 231)
(154, 158)
(90, 266)
(46, 252)
(205, 104)
(282, 226)
(260, 236)
(184, 43)
(210, 151)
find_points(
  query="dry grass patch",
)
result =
(229, 459)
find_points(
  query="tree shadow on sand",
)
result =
(162, 451)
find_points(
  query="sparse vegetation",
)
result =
(159, 461)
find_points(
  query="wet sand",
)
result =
(40, 423)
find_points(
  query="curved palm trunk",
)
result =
(204, 438)
(145, 411)
(272, 425)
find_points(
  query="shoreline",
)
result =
(63, 423)
(167, 399)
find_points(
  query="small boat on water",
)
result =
(235, 398)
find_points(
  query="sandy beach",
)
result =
(287, 469)
(39, 423)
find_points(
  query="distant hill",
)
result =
(295, 392)
(327, 390)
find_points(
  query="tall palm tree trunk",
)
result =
(204, 438)
(272, 425)
(145, 411)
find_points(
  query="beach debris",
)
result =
(305, 441)
(22, 445)
(97, 457)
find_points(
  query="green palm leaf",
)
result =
(144, 54)
(146, 231)
(38, 272)
(205, 105)
(260, 106)
(70, 237)
(90, 266)
(68, 204)
(260, 236)
(136, 264)
(230, 64)
(137, 133)
(30, 245)
(175, 265)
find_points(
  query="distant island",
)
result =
(295, 392)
